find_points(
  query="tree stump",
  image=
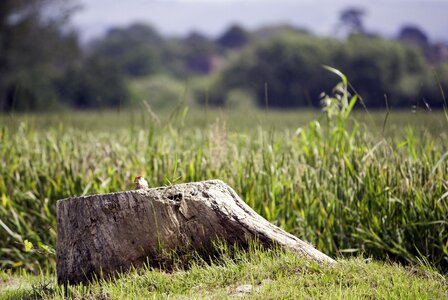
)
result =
(101, 235)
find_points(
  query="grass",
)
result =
(353, 184)
(245, 121)
(253, 274)
(346, 191)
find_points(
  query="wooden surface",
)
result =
(103, 234)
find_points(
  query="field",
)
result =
(370, 184)
(254, 274)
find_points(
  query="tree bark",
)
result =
(104, 234)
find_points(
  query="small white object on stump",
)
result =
(101, 235)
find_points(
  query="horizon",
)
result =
(212, 17)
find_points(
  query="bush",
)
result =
(97, 83)
(378, 67)
(287, 71)
(136, 50)
(161, 92)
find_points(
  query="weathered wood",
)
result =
(103, 234)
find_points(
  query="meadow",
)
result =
(354, 184)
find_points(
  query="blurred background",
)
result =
(60, 55)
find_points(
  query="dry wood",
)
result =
(104, 234)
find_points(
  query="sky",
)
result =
(212, 17)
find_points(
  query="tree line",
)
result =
(287, 72)
(43, 66)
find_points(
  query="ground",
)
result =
(254, 274)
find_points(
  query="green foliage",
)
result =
(136, 50)
(378, 67)
(435, 87)
(196, 54)
(28, 246)
(240, 99)
(414, 35)
(96, 83)
(352, 19)
(335, 183)
(234, 37)
(161, 92)
(42, 67)
(34, 53)
(286, 71)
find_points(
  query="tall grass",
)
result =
(333, 182)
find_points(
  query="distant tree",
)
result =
(434, 87)
(377, 67)
(94, 84)
(286, 70)
(276, 30)
(351, 19)
(195, 38)
(234, 37)
(413, 35)
(200, 53)
(135, 49)
(35, 49)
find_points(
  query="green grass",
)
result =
(345, 186)
(269, 274)
(353, 184)
(246, 121)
